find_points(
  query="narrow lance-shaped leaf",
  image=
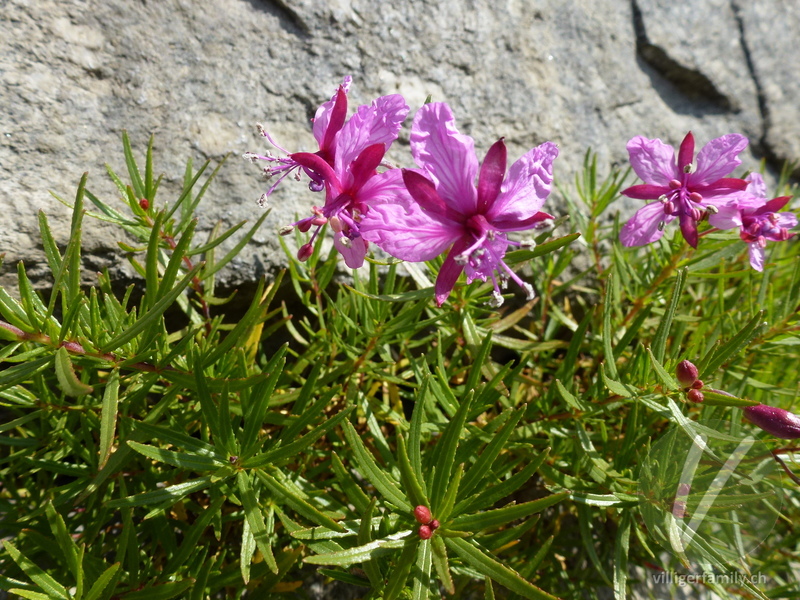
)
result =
(108, 417)
(69, 382)
(253, 515)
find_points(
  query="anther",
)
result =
(663, 199)
(690, 168)
(674, 184)
(319, 221)
(695, 197)
(345, 241)
(260, 128)
(528, 244)
(286, 230)
(712, 209)
(262, 200)
(462, 259)
(496, 301)
(661, 225)
(251, 156)
(336, 224)
(529, 293)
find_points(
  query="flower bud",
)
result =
(697, 385)
(422, 514)
(144, 203)
(425, 532)
(434, 525)
(780, 423)
(686, 373)
(694, 395)
(305, 251)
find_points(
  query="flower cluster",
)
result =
(695, 190)
(416, 214)
(450, 204)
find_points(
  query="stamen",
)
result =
(530, 294)
(695, 197)
(544, 225)
(480, 251)
(528, 244)
(286, 230)
(496, 301)
(690, 168)
(674, 184)
(696, 214)
(712, 209)
(336, 224)
(461, 259)
(661, 225)
(345, 241)
(263, 199)
(315, 186)
(663, 198)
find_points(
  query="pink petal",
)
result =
(424, 192)
(718, 158)
(776, 204)
(689, 230)
(447, 156)
(407, 232)
(756, 185)
(318, 165)
(491, 176)
(756, 256)
(523, 225)
(386, 187)
(728, 217)
(525, 189)
(652, 160)
(643, 227)
(378, 123)
(323, 115)
(786, 220)
(448, 274)
(354, 255)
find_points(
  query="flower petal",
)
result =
(756, 185)
(378, 123)
(689, 230)
(718, 158)
(643, 227)
(756, 256)
(652, 160)
(495, 251)
(728, 216)
(491, 176)
(323, 116)
(407, 232)
(354, 252)
(645, 191)
(447, 156)
(448, 274)
(364, 167)
(686, 152)
(525, 189)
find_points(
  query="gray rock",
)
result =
(199, 75)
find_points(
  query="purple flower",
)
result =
(451, 212)
(345, 166)
(687, 190)
(760, 220)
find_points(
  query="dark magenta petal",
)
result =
(448, 275)
(491, 176)
(336, 122)
(520, 225)
(686, 152)
(424, 192)
(364, 166)
(773, 205)
(645, 191)
(689, 230)
(317, 164)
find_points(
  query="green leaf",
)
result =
(665, 377)
(402, 569)
(446, 452)
(64, 540)
(297, 503)
(161, 591)
(354, 493)
(501, 516)
(352, 556)
(441, 564)
(621, 547)
(518, 256)
(252, 512)
(182, 460)
(152, 315)
(662, 333)
(51, 587)
(490, 567)
(133, 169)
(422, 574)
(615, 387)
(108, 417)
(69, 382)
(409, 478)
(172, 493)
(735, 345)
(371, 470)
(102, 582)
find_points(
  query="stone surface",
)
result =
(199, 74)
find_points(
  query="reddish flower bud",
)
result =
(305, 251)
(434, 525)
(425, 532)
(144, 203)
(780, 423)
(422, 514)
(698, 385)
(686, 373)
(694, 396)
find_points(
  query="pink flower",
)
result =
(345, 166)
(451, 212)
(760, 220)
(687, 190)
